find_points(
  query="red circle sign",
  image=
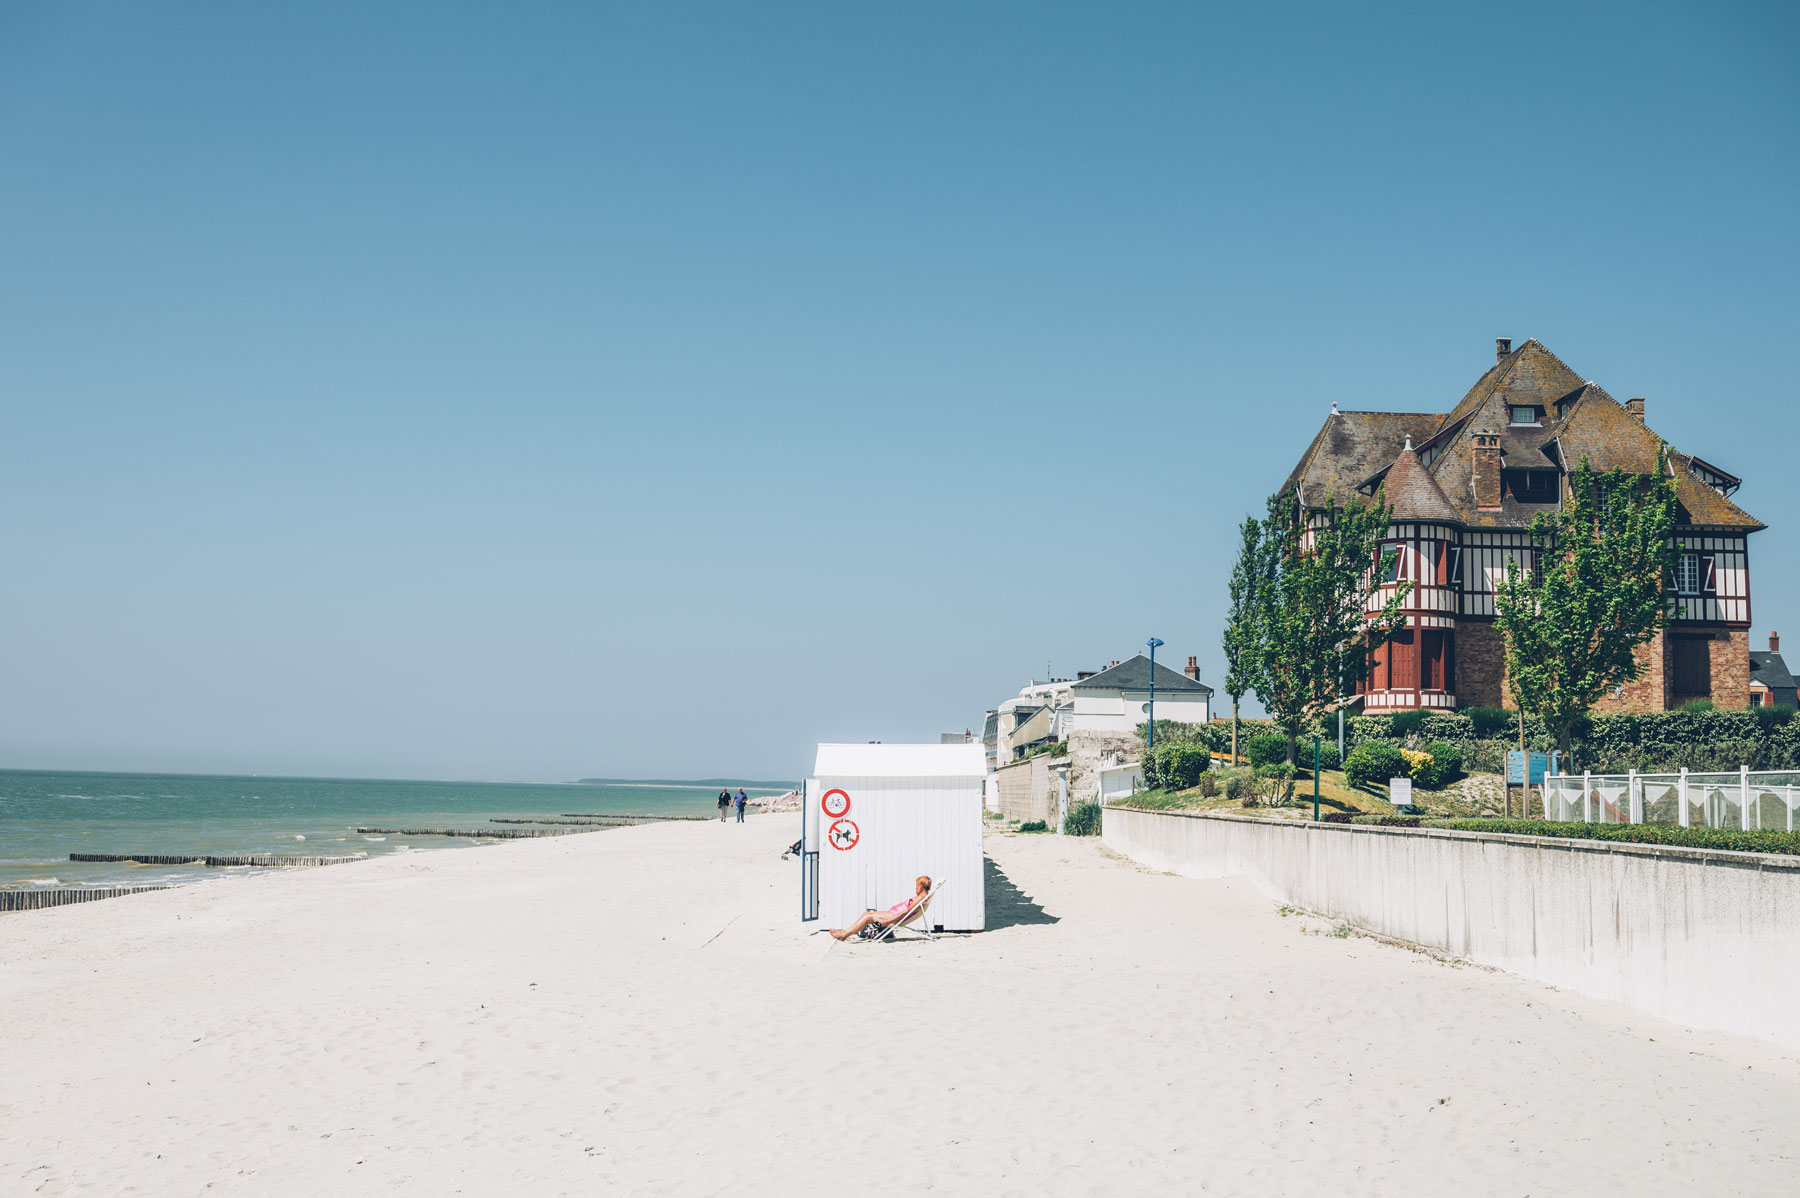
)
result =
(835, 807)
(843, 834)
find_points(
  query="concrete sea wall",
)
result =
(1709, 939)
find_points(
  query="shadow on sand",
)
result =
(1007, 905)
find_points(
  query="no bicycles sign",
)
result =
(835, 803)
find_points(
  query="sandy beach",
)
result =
(640, 1011)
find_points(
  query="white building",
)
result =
(878, 816)
(1117, 699)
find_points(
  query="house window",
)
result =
(1530, 486)
(1454, 578)
(1387, 568)
(1526, 414)
(1694, 575)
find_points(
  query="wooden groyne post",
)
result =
(37, 900)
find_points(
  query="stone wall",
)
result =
(1650, 690)
(1480, 665)
(1706, 938)
(1481, 671)
(1088, 749)
(1026, 790)
(1731, 668)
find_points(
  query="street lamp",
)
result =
(1151, 739)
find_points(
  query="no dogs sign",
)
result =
(836, 803)
(843, 834)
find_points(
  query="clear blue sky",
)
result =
(550, 390)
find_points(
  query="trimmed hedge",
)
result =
(1441, 767)
(1761, 738)
(1267, 749)
(1729, 839)
(1373, 764)
(1175, 766)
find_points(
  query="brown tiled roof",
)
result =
(1413, 494)
(1354, 448)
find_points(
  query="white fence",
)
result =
(1746, 800)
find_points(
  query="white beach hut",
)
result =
(878, 816)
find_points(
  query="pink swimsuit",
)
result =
(902, 908)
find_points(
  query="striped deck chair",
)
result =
(913, 923)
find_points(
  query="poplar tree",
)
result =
(1595, 592)
(1315, 634)
(1243, 634)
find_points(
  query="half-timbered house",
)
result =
(1464, 487)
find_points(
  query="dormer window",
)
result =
(1526, 414)
(1532, 486)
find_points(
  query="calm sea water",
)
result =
(45, 816)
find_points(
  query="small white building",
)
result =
(877, 816)
(1117, 699)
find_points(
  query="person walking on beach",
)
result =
(724, 803)
(741, 803)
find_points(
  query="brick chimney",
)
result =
(1774, 642)
(1486, 482)
(1502, 347)
(1635, 405)
(1193, 669)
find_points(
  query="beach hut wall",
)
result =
(907, 810)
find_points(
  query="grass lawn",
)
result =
(1335, 794)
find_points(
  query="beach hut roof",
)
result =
(968, 760)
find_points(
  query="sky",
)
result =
(558, 390)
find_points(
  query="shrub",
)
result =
(1036, 825)
(1442, 766)
(1387, 821)
(1267, 749)
(1151, 765)
(1237, 785)
(1275, 784)
(1209, 785)
(1083, 820)
(1405, 723)
(1337, 817)
(1182, 765)
(1373, 764)
(1415, 760)
(1490, 721)
(1771, 718)
(1698, 705)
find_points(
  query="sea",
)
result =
(46, 815)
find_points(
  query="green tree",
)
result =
(1595, 592)
(1315, 633)
(1243, 634)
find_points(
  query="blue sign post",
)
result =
(1515, 767)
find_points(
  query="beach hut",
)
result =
(878, 816)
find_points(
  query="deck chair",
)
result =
(913, 923)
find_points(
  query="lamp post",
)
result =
(1151, 739)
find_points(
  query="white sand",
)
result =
(639, 1011)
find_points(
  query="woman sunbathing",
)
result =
(890, 917)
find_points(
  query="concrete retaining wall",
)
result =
(1710, 939)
